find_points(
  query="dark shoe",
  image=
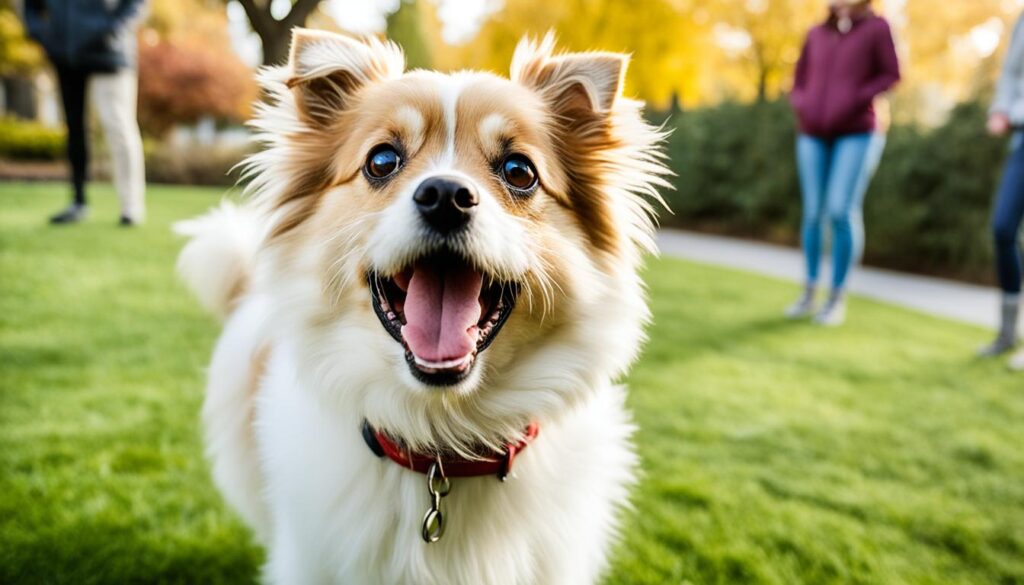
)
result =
(126, 221)
(1000, 346)
(75, 213)
(1006, 339)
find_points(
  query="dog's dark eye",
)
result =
(383, 162)
(518, 173)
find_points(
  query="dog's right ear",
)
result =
(577, 86)
(327, 69)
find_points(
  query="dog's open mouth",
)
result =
(444, 312)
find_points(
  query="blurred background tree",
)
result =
(18, 54)
(20, 59)
(951, 53)
(187, 68)
(662, 39)
(410, 27)
(759, 42)
(273, 21)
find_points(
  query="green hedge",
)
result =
(23, 140)
(927, 209)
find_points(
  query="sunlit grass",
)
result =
(773, 452)
(781, 453)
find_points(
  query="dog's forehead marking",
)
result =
(451, 87)
(410, 119)
(412, 125)
(492, 127)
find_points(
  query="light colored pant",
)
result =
(834, 177)
(114, 97)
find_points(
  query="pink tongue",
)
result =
(442, 308)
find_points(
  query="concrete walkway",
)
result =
(973, 304)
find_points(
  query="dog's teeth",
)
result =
(392, 316)
(431, 366)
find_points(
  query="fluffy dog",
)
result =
(435, 278)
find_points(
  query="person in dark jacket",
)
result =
(846, 63)
(92, 46)
(1007, 116)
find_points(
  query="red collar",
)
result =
(499, 465)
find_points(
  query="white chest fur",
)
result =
(339, 514)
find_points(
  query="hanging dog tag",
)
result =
(438, 486)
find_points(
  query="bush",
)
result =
(735, 170)
(23, 140)
(181, 83)
(929, 206)
(927, 209)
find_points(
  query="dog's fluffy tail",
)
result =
(217, 261)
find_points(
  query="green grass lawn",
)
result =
(772, 452)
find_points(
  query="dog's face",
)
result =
(473, 237)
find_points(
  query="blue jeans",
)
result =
(834, 176)
(1007, 215)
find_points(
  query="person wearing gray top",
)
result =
(1006, 116)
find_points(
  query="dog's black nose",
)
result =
(446, 203)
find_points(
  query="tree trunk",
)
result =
(762, 85)
(275, 46)
(20, 97)
(274, 34)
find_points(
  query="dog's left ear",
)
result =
(575, 85)
(327, 69)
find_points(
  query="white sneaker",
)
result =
(833, 314)
(804, 307)
(1017, 362)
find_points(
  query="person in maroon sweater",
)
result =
(846, 62)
